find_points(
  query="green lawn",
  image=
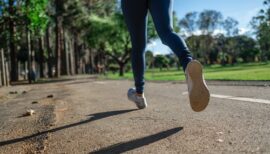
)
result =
(250, 71)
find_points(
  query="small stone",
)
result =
(34, 102)
(220, 133)
(13, 92)
(50, 96)
(29, 112)
(220, 140)
(230, 143)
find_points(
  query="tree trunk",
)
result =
(41, 60)
(12, 46)
(7, 74)
(19, 69)
(58, 27)
(66, 48)
(29, 61)
(91, 62)
(3, 75)
(25, 70)
(76, 54)
(0, 74)
(33, 60)
(71, 59)
(121, 69)
(57, 46)
(50, 56)
(63, 53)
(83, 67)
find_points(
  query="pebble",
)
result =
(34, 102)
(50, 96)
(220, 140)
(13, 92)
(220, 133)
(29, 112)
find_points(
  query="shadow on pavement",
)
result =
(94, 117)
(137, 143)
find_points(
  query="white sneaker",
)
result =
(199, 94)
(139, 101)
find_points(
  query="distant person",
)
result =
(135, 13)
(33, 75)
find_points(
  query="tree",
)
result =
(119, 46)
(173, 60)
(123, 44)
(189, 23)
(12, 45)
(77, 20)
(261, 24)
(161, 61)
(220, 44)
(36, 23)
(209, 20)
(58, 28)
(149, 59)
(246, 48)
(193, 43)
(230, 25)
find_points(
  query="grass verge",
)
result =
(241, 72)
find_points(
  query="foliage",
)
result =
(230, 25)
(189, 23)
(149, 59)
(261, 24)
(36, 17)
(161, 61)
(209, 20)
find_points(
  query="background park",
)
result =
(71, 58)
(53, 38)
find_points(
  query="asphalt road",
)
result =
(95, 116)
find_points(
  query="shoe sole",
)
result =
(136, 103)
(138, 106)
(199, 94)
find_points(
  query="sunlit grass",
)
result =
(250, 71)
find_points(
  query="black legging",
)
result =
(135, 12)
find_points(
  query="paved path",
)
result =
(94, 116)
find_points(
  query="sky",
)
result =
(241, 10)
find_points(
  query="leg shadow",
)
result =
(137, 143)
(94, 117)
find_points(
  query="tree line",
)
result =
(214, 39)
(220, 40)
(51, 38)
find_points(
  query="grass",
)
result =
(249, 71)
